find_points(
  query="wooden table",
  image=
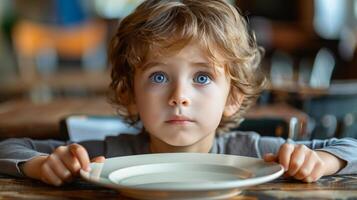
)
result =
(59, 83)
(332, 187)
(23, 118)
(337, 87)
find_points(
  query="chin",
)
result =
(180, 141)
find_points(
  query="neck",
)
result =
(202, 146)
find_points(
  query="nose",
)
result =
(179, 96)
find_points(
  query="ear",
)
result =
(232, 105)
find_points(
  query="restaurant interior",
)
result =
(54, 65)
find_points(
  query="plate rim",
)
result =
(105, 181)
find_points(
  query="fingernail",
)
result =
(88, 169)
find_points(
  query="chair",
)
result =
(271, 127)
(38, 46)
(334, 115)
(91, 127)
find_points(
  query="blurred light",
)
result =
(329, 17)
(329, 122)
(281, 72)
(116, 8)
(349, 119)
(322, 69)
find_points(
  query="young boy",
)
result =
(187, 69)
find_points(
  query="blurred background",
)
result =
(56, 49)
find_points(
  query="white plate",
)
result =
(181, 175)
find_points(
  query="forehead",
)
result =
(191, 53)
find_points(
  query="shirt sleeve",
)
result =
(14, 151)
(345, 149)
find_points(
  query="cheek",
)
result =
(215, 96)
(211, 105)
(148, 104)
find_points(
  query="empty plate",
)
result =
(182, 175)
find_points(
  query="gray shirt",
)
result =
(14, 151)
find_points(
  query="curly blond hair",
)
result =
(163, 26)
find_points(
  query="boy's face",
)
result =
(181, 98)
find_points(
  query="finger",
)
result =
(284, 155)
(81, 154)
(99, 159)
(69, 160)
(71, 163)
(48, 176)
(297, 159)
(269, 157)
(307, 167)
(315, 174)
(58, 167)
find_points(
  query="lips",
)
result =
(179, 120)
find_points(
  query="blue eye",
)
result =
(158, 77)
(202, 79)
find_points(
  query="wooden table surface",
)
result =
(336, 88)
(331, 187)
(73, 81)
(23, 118)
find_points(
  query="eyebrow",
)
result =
(150, 65)
(209, 66)
(203, 64)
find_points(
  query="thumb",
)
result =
(269, 157)
(98, 159)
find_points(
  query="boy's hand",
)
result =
(305, 164)
(61, 166)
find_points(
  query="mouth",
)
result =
(179, 120)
